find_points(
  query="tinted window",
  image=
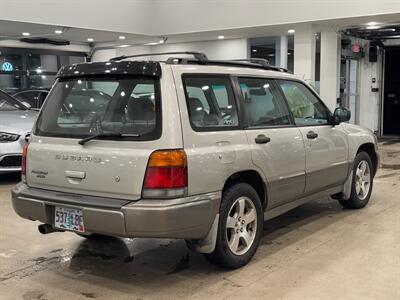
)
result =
(262, 107)
(210, 101)
(81, 107)
(9, 103)
(306, 108)
(30, 97)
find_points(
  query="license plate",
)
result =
(69, 219)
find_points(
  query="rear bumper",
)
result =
(188, 217)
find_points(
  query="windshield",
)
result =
(8, 103)
(79, 108)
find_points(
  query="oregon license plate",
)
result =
(69, 219)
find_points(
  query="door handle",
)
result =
(262, 139)
(75, 174)
(312, 135)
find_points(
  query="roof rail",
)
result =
(244, 63)
(261, 61)
(201, 57)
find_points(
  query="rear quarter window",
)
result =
(211, 102)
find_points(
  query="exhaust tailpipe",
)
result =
(47, 228)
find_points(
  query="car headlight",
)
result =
(6, 137)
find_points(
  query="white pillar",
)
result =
(278, 58)
(330, 67)
(284, 52)
(304, 53)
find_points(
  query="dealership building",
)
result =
(137, 135)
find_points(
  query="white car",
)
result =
(16, 121)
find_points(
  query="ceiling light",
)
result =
(122, 37)
(372, 23)
(291, 31)
(372, 27)
(58, 31)
(26, 34)
(254, 50)
(123, 46)
(90, 39)
(221, 37)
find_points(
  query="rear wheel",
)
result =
(240, 227)
(361, 188)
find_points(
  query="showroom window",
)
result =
(269, 48)
(32, 68)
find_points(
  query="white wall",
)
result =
(225, 49)
(159, 17)
(369, 103)
(329, 67)
(103, 55)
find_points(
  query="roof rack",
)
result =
(201, 57)
(261, 61)
(244, 63)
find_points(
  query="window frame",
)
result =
(330, 115)
(281, 101)
(236, 102)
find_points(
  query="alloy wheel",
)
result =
(363, 179)
(241, 225)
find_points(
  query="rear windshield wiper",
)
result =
(105, 135)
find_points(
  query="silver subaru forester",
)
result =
(188, 148)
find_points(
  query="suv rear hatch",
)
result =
(97, 129)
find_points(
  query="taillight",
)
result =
(166, 174)
(23, 162)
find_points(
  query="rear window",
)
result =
(79, 108)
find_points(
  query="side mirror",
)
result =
(341, 114)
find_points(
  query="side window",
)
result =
(31, 97)
(262, 108)
(196, 92)
(211, 103)
(305, 107)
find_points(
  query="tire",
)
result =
(361, 186)
(239, 234)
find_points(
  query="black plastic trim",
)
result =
(111, 68)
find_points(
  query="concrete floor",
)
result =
(318, 250)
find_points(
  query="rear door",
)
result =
(277, 145)
(109, 167)
(326, 145)
(214, 142)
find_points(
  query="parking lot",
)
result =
(315, 250)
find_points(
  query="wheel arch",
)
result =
(254, 179)
(369, 148)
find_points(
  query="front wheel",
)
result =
(361, 187)
(240, 227)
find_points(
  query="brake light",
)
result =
(23, 161)
(166, 174)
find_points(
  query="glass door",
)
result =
(349, 93)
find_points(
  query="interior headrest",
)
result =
(141, 109)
